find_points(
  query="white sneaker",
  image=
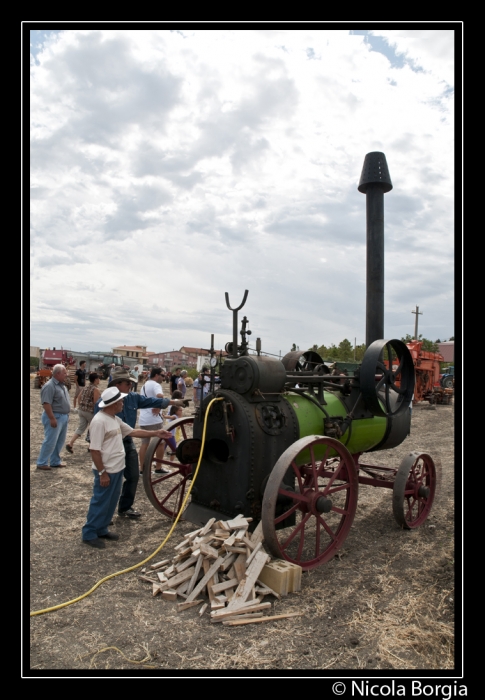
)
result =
(161, 470)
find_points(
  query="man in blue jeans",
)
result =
(54, 398)
(107, 435)
(128, 414)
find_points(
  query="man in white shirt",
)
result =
(135, 374)
(108, 454)
(150, 418)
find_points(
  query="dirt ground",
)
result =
(385, 602)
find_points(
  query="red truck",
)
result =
(57, 357)
(51, 358)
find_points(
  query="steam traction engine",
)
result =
(283, 440)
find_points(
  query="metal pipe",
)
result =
(234, 321)
(374, 182)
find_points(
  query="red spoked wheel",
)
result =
(414, 490)
(310, 501)
(167, 491)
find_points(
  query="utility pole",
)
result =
(355, 344)
(418, 313)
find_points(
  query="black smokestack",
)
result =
(374, 182)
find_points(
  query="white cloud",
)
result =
(170, 167)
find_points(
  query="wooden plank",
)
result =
(222, 525)
(209, 551)
(214, 579)
(234, 548)
(219, 615)
(178, 579)
(227, 561)
(182, 544)
(185, 565)
(230, 540)
(207, 526)
(169, 594)
(221, 534)
(262, 589)
(203, 609)
(182, 588)
(188, 604)
(161, 577)
(257, 535)
(267, 618)
(237, 522)
(156, 589)
(240, 534)
(218, 587)
(247, 616)
(183, 554)
(240, 567)
(207, 539)
(193, 534)
(147, 578)
(248, 542)
(204, 579)
(193, 580)
(251, 556)
(246, 585)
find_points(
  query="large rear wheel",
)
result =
(310, 501)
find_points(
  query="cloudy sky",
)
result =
(169, 167)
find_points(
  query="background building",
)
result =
(447, 349)
(135, 352)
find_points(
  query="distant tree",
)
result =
(34, 361)
(438, 341)
(452, 338)
(345, 351)
(333, 352)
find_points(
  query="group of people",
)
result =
(111, 418)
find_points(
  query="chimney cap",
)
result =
(375, 172)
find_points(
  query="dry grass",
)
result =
(385, 602)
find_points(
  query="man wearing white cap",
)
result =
(107, 451)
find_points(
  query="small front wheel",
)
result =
(414, 490)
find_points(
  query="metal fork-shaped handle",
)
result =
(240, 305)
(234, 320)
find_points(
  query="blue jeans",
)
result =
(54, 439)
(131, 472)
(102, 506)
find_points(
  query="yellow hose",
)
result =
(136, 566)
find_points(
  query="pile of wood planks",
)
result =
(223, 562)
